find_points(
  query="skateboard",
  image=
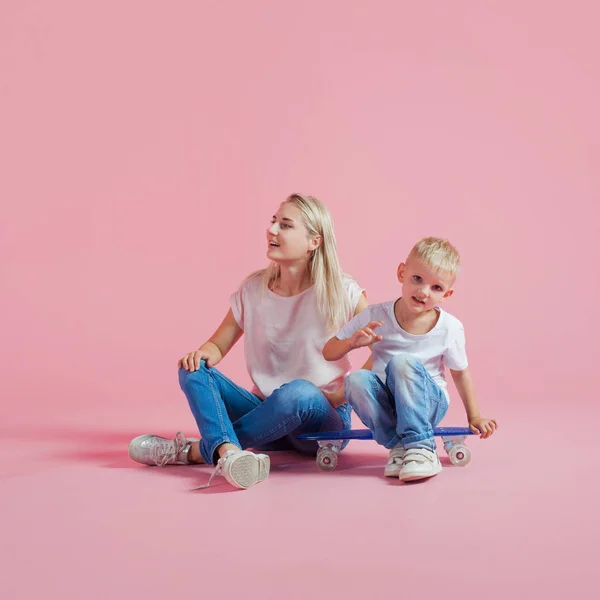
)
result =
(330, 443)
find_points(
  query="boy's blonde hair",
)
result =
(324, 265)
(437, 253)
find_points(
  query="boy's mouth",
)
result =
(418, 301)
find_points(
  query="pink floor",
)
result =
(80, 520)
(144, 147)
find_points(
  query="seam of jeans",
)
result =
(272, 431)
(217, 402)
(249, 396)
(289, 420)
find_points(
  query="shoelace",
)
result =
(165, 451)
(218, 468)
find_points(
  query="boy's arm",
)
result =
(464, 385)
(335, 349)
(337, 398)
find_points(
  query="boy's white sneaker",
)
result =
(241, 468)
(394, 463)
(419, 463)
(155, 450)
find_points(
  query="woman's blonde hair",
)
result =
(323, 265)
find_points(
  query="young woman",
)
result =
(287, 313)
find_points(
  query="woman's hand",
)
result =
(209, 353)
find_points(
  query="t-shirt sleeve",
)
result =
(237, 305)
(455, 355)
(354, 324)
(354, 291)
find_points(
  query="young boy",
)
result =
(404, 396)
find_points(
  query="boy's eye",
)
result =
(437, 288)
(417, 278)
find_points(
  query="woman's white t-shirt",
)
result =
(284, 336)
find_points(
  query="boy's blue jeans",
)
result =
(402, 411)
(226, 412)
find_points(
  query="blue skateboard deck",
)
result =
(328, 452)
(367, 434)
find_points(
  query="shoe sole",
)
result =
(246, 471)
(416, 475)
(391, 472)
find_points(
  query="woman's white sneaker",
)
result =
(419, 463)
(241, 468)
(155, 450)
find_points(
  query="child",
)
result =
(404, 396)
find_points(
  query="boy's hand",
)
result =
(483, 426)
(366, 336)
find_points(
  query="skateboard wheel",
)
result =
(326, 459)
(460, 455)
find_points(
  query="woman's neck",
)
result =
(293, 280)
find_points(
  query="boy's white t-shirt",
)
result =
(284, 336)
(443, 346)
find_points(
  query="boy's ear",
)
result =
(401, 268)
(448, 294)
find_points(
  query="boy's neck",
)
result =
(417, 324)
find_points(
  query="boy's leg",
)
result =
(372, 402)
(420, 405)
(296, 407)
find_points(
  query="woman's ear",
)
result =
(315, 243)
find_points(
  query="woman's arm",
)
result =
(214, 350)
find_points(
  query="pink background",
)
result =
(145, 145)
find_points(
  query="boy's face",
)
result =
(422, 287)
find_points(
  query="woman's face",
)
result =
(288, 239)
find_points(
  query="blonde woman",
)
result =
(287, 313)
